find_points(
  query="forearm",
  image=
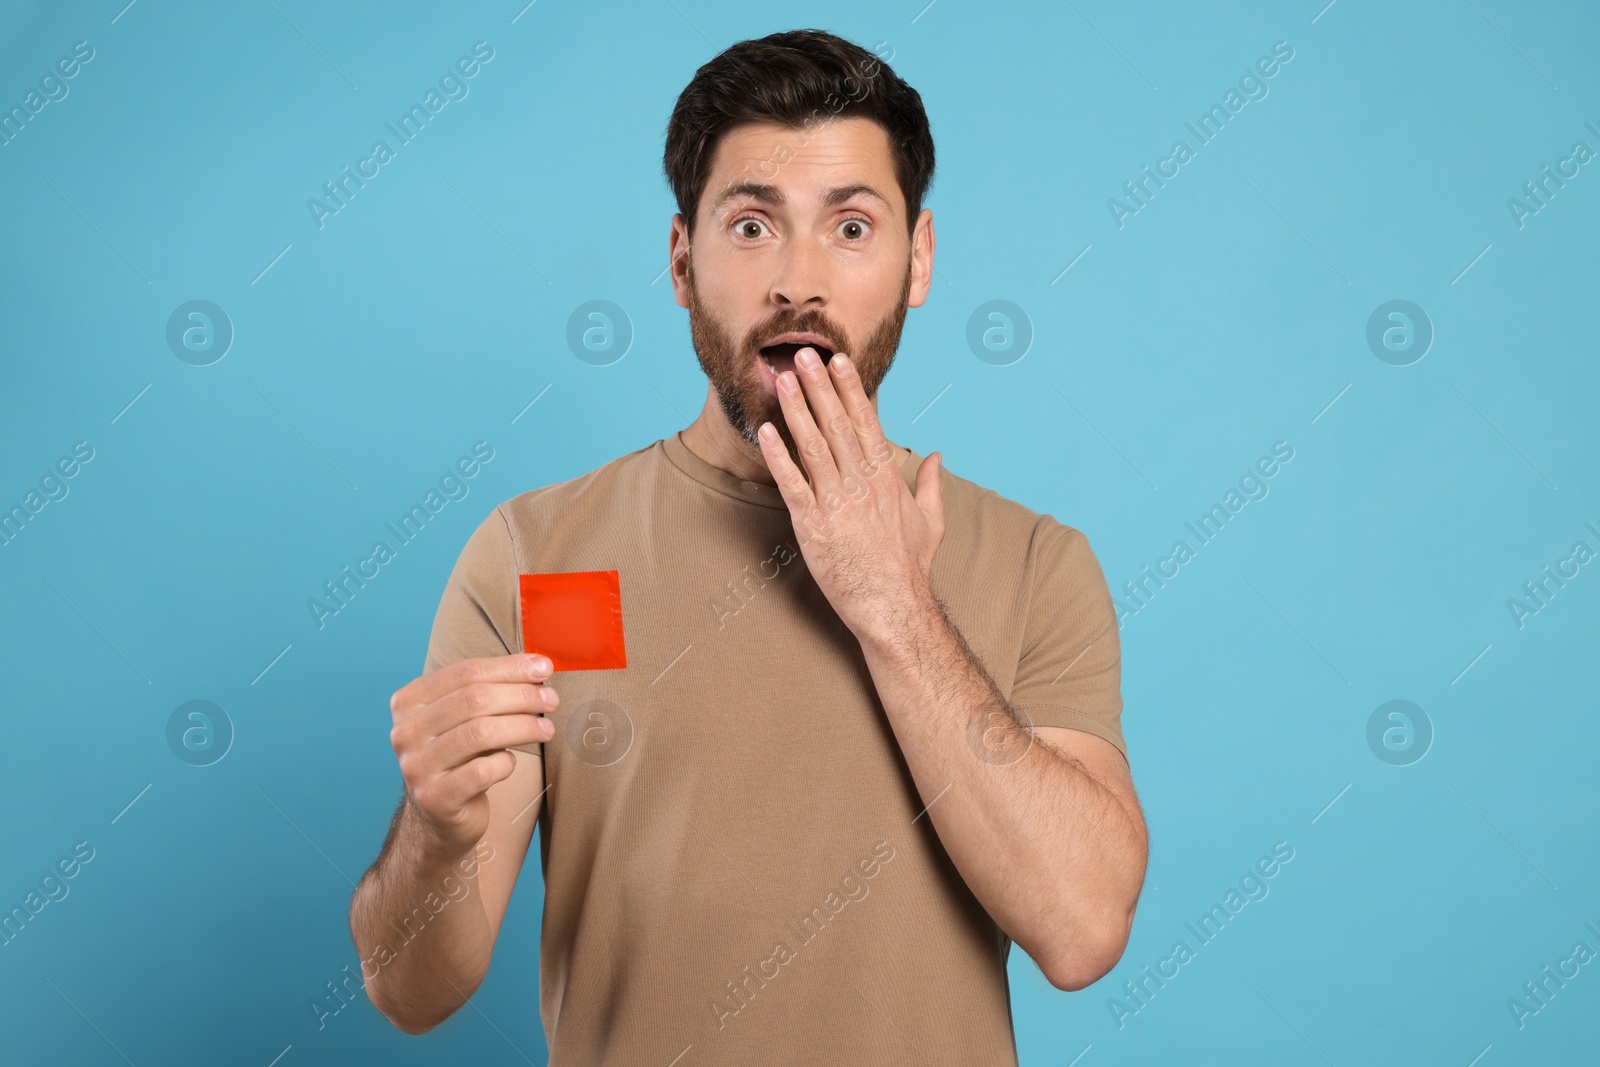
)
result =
(418, 921)
(1051, 854)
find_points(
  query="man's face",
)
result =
(776, 258)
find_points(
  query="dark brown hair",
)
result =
(797, 78)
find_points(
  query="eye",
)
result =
(748, 220)
(859, 224)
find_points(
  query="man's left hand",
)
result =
(868, 542)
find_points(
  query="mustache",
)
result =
(765, 336)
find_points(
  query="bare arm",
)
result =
(425, 916)
(1049, 835)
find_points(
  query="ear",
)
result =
(921, 259)
(678, 259)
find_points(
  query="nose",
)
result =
(802, 279)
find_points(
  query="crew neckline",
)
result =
(767, 496)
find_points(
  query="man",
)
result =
(867, 731)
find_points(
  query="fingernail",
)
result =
(841, 361)
(542, 665)
(808, 358)
(548, 695)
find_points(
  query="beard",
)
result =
(730, 363)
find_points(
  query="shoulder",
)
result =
(988, 522)
(607, 477)
(534, 515)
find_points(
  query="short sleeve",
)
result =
(1070, 672)
(477, 613)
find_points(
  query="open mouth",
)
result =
(780, 357)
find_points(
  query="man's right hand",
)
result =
(453, 729)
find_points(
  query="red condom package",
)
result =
(575, 618)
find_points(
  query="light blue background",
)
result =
(1228, 314)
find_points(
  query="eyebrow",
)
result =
(771, 194)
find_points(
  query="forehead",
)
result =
(805, 162)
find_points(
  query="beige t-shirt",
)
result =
(736, 865)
